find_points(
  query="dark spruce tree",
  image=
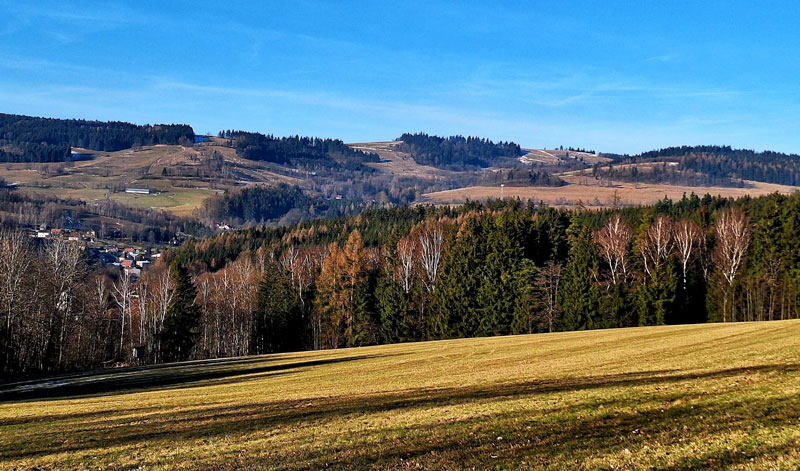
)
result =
(579, 296)
(394, 308)
(182, 320)
(277, 316)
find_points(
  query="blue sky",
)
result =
(611, 76)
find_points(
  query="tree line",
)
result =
(520, 177)
(405, 274)
(311, 152)
(32, 139)
(457, 152)
(282, 204)
(705, 165)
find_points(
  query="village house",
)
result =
(138, 191)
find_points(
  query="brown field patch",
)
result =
(396, 162)
(590, 192)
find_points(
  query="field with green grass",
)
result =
(723, 396)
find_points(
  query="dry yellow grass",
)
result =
(555, 156)
(395, 162)
(665, 398)
(590, 192)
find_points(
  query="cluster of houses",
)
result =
(128, 259)
(132, 260)
(66, 234)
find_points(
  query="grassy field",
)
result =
(662, 398)
(590, 192)
(180, 201)
(94, 179)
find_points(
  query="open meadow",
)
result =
(591, 192)
(722, 396)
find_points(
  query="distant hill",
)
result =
(705, 165)
(311, 152)
(457, 152)
(32, 139)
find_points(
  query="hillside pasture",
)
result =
(108, 173)
(399, 163)
(724, 396)
(551, 156)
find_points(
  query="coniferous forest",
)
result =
(295, 150)
(706, 165)
(282, 204)
(405, 274)
(30, 139)
(457, 152)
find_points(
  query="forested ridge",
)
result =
(520, 177)
(406, 274)
(457, 152)
(707, 165)
(311, 152)
(282, 204)
(32, 139)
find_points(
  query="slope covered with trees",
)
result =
(706, 165)
(31, 139)
(520, 177)
(311, 152)
(283, 204)
(406, 274)
(457, 152)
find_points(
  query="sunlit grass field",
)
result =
(664, 398)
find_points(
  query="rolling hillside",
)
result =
(601, 193)
(722, 396)
(182, 176)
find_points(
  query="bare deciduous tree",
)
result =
(733, 239)
(656, 244)
(406, 254)
(688, 236)
(13, 266)
(431, 243)
(548, 280)
(613, 240)
(122, 293)
(63, 259)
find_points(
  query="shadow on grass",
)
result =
(569, 431)
(160, 376)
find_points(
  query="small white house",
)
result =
(138, 191)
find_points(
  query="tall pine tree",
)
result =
(579, 295)
(182, 319)
(276, 319)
